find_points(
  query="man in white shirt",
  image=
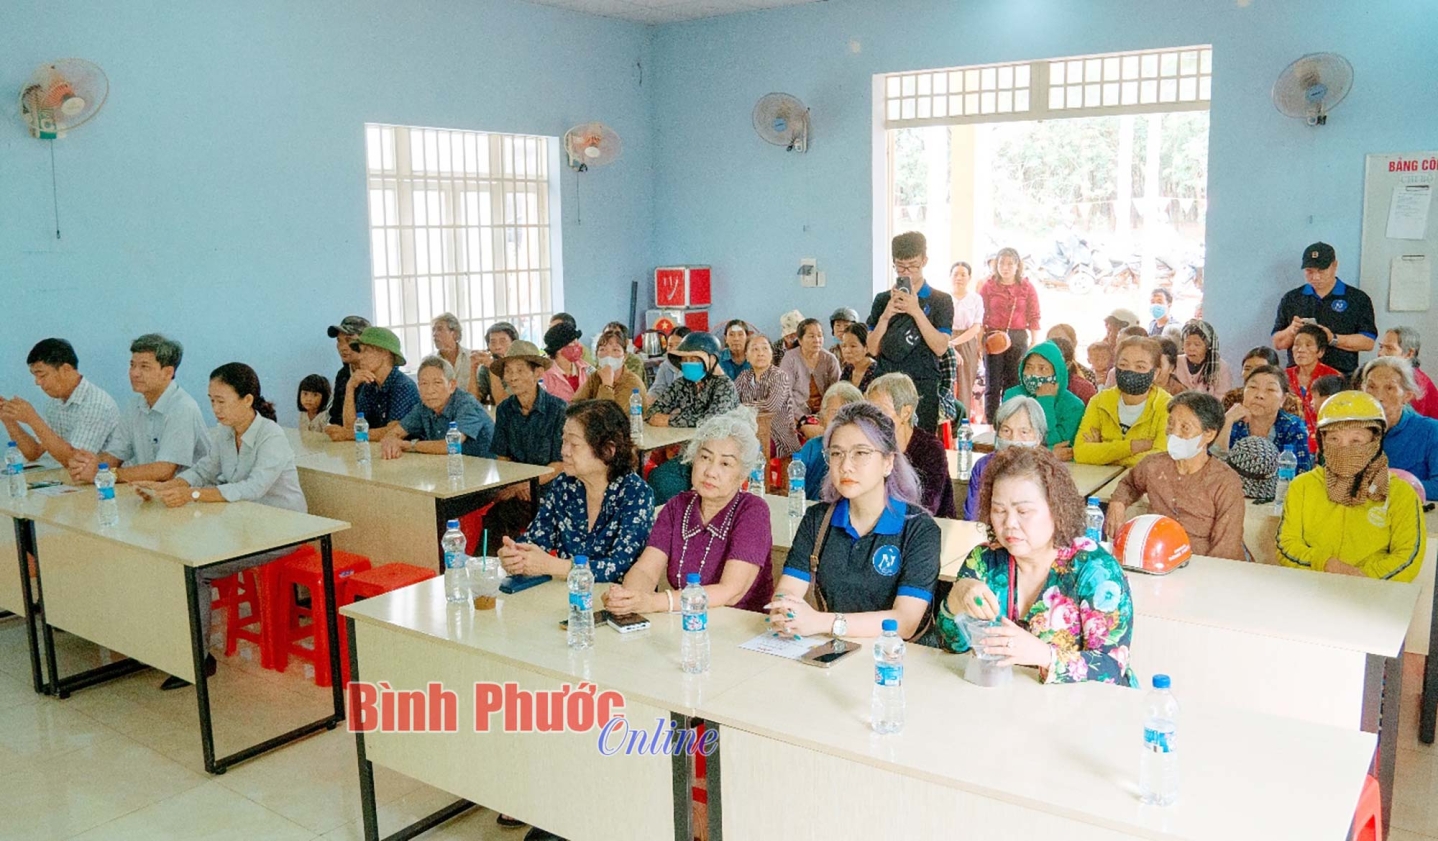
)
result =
(161, 432)
(80, 416)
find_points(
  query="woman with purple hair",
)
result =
(868, 551)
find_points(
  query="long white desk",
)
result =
(982, 762)
(134, 587)
(398, 507)
(959, 537)
(1087, 477)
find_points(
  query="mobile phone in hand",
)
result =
(905, 284)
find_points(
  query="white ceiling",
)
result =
(667, 11)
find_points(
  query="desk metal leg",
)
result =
(369, 811)
(712, 787)
(199, 649)
(1428, 714)
(534, 497)
(24, 539)
(683, 777)
(1382, 702)
(58, 686)
(332, 623)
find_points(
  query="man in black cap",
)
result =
(344, 335)
(1344, 312)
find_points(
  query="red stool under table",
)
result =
(1368, 819)
(236, 591)
(376, 581)
(305, 569)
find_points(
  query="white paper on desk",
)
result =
(1408, 211)
(1408, 283)
(56, 490)
(767, 643)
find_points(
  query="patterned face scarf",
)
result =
(1356, 473)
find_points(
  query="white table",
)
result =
(1088, 478)
(659, 437)
(134, 587)
(398, 507)
(1023, 761)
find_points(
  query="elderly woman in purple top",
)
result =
(715, 530)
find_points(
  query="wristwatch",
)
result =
(841, 626)
(195, 495)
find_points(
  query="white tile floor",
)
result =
(122, 761)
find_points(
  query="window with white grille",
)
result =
(462, 222)
(1144, 81)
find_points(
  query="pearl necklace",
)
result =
(684, 529)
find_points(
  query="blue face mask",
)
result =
(1158, 310)
(693, 371)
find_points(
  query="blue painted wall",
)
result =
(220, 194)
(1275, 184)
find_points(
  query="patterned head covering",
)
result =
(1256, 461)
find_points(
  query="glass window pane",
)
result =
(1056, 99)
(1168, 64)
(893, 113)
(1092, 97)
(1111, 68)
(986, 102)
(971, 103)
(891, 86)
(971, 80)
(1075, 96)
(909, 85)
(1130, 67)
(1148, 92)
(1188, 63)
(1021, 76)
(908, 109)
(1205, 61)
(1006, 77)
(1168, 90)
(1006, 102)
(1204, 84)
(988, 77)
(956, 82)
(1187, 88)
(1075, 71)
(1056, 72)
(1093, 70)
(941, 106)
(1110, 93)
(1021, 100)
(1130, 93)
(925, 85)
(1149, 64)
(956, 104)
(941, 83)
(925, 111)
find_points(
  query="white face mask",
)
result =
(1182, 449)
(611, 362)
(1004, 443)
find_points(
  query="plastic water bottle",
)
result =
(361, 439)
(1287, 471)
(1093, 520)
(796, 488)
(887, 707)
(636, 417)
(453, 439)
(105, 489)
(1158, 767)
(581, 604)
(694, 644)
(15, 471)
(456, 575)
(965, 446)
(756, 481)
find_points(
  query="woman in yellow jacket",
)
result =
(1347, 517)
(1122, 425)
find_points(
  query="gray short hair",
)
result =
(899, 388)
(449, 320)
(439, 362)
(842, 393)
(1023, 403)
(738, 424)
(1397, 364)
(1408, 340)
(168, 352)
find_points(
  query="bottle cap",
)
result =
(1093, 500)
(104, 465)
(452, 524)
(1160, 682)
(1288, 448)
(359, 415)
(691, 578)
(12, 444)
(891, 625)
(581, 560)
(454, 424)
(964, 422)
(634, 391)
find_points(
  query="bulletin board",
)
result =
(1399, 262)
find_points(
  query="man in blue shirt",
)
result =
(442, 402)
(379, 388)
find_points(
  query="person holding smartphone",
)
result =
(910, 326)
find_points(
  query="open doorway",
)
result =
(1100, 183)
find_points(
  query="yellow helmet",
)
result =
(1352, 406)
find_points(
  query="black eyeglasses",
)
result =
(355, 346)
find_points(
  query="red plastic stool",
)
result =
(946, 434)
(235, 591)
(472, 524)
(1368, 819)
(304, 569)
(385, 578)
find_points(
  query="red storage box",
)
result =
(681, 286)
(697, 319)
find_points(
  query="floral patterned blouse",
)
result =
(620, 532)
(689, 404)
(1084, 612)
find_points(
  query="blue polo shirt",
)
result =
(1347, 310)
(423, 424)
(860, 574)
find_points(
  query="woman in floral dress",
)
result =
(1064, 601)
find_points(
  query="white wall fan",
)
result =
(781, 119)
(591, 145)
(1312, 86)
(58, 98)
